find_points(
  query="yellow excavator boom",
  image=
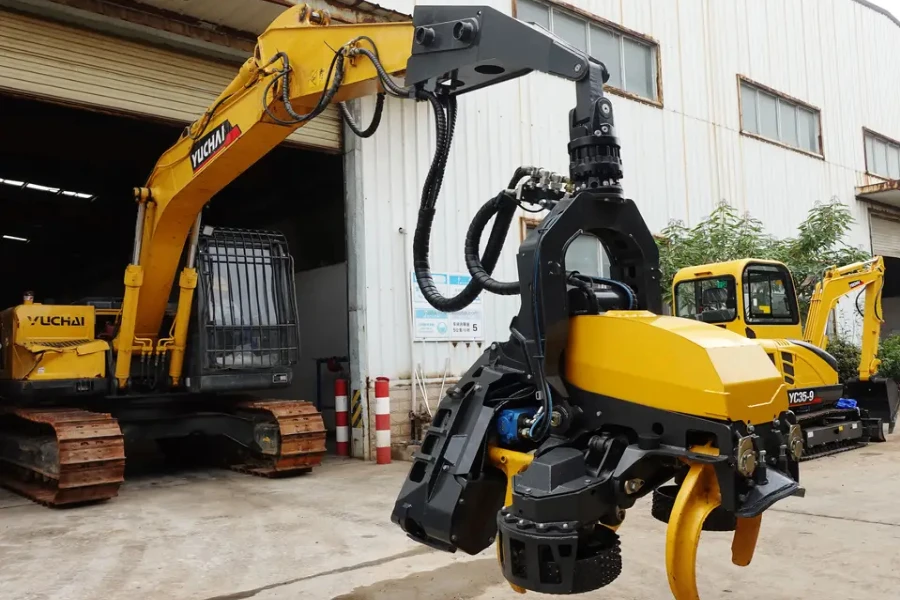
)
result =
(242, 125)
(837, 282)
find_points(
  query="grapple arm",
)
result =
(520, 454)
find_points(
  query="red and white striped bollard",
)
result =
(341, 417)
(382, 420)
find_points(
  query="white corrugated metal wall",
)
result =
(679, 159)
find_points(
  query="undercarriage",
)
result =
(61, 456)
(63, 440)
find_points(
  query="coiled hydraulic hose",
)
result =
(501, 208)
(504, 208)
(445, 121)
(388, 83)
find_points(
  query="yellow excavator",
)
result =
(757, 298)
(593, 402)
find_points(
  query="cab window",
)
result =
(711, 300)
(769, 295)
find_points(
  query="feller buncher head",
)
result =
(595, 401)
(705, 409)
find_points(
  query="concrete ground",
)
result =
(213, 535)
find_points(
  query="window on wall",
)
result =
(780, 119)
(630, 59)
(882, 156)
(585, 254)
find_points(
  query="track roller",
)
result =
(289, 435)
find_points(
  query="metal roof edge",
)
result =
(125, 29)
(361, 5)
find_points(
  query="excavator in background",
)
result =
(878, 396)
(593, 402)
(768, 312)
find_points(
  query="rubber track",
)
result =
(822, 414)
(302, 438)
(834, 448)
(831, 449)
(90, 454)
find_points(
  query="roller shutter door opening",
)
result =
(885, 234)
(75, 66)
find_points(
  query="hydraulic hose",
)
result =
(504, 208)
(284, 75)
(445, 112)
(593, 303)
(389, 84)
(337, 66)
(445, 123)
(376, 118)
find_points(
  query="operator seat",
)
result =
(716, 297)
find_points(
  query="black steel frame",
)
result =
(245, 324)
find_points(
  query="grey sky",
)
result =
(891, 5)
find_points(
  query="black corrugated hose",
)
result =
(391, 88)
(504, 207)
(376, 118)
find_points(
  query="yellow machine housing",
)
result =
(51, 347)
(693, 368)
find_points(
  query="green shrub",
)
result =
(847, 355)
(889, 353)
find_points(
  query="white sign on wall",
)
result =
(431, 325)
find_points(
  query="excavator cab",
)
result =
(767, 308)
(244, 327)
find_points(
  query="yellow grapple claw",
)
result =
(744, 542)
(699, 495)
(511, 463)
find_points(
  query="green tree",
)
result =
(726, 234)
(889, 353)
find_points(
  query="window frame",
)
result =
(887, 140)
(760, 87)
(636, 36)
(726, 277)
(526, 223)
(789, 291)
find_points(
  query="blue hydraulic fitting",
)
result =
(510, 421)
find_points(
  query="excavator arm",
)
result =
(282, 81)
(837, 282)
